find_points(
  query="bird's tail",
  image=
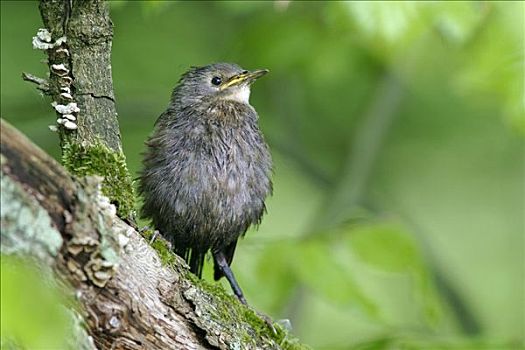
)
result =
(194, 258)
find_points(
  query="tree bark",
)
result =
(88, 34)
(129, 298)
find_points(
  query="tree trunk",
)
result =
(77, 38)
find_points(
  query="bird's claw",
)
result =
(267, 319)
(154, 236)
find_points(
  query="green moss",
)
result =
(228, 310)
(167, 257)
(147, 234)
(280, 335)
(212, 288)
(98, 159)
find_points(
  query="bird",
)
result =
(207, 168)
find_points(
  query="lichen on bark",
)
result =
(26, 226)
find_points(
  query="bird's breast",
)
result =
(221, 174)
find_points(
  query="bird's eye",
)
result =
(216, 81)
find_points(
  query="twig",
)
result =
(362, 154)
(42, 84)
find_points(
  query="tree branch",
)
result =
(130, 299)
(41, 84)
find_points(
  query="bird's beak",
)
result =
(248, 77)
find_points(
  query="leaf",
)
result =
(317, 267)
(393, 26)
(388, 247)
(385, 247)
(493, 64)
(384, 20)
(31, 310)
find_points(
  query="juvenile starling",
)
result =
(207, 167)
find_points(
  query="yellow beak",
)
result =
(243, 77)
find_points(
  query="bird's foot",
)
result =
(220, 260)
(154, 236)
(267, 319)
(144, 228)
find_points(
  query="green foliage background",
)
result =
(397, 132)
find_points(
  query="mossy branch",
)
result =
(132, 296)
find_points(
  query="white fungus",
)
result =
(70, 117)
(60, 41)
(44, 35)
(62, 50)
(41, 45)
(70, 125)
(123, 240)
(66, 109)
(103, 202)
(66, 96)
(42, 40)
(112, 210)
(59, 69)
(66, 80)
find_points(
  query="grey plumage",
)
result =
(207, 167)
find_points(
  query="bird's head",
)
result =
(218, 81)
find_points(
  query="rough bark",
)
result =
(129, 297)
(88, 33)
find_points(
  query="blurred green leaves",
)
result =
(386, 23)
(320, 270)
(385, 247)
(392, 26)
(389, 248)
(494, 62)
(32, 311)
(326, 266)
(485, 37)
